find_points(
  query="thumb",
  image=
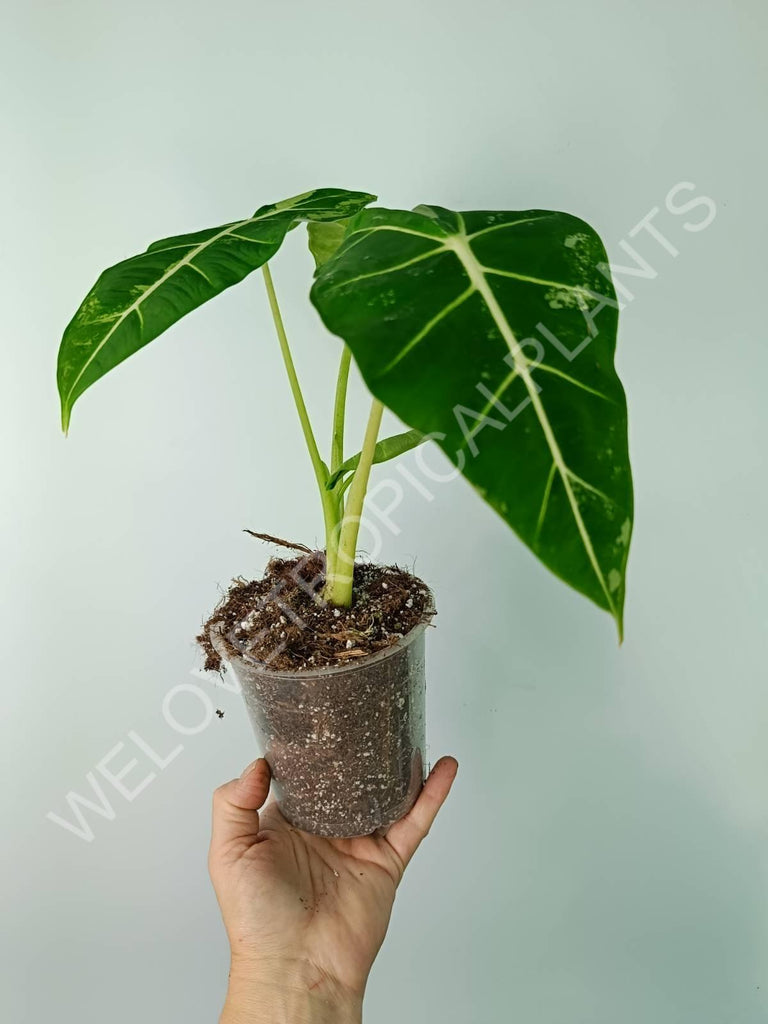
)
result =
(236, 806)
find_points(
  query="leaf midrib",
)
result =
(186, 260)
(135, 306)
(459, 243)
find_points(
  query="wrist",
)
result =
(265, 991)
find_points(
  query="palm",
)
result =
(290, 894)
(333, 895)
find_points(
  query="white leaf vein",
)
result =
(444, 312)
(476, 275)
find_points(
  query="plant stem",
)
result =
(337, 456)
(339, 408)
(338, 587)
(329, 502)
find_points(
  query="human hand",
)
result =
(305, 915)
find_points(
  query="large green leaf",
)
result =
(136, 300)
(495, 333)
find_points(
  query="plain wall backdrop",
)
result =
(603, 857)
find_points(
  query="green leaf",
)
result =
(324, 238)
(136, 300)
(496, 331)
(386, 449)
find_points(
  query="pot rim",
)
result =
(324, 671)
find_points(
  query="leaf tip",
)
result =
(66, 413)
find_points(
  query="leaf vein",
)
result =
(387, 270)
(490, 404)
(427, 328)
(577, 289)
(572, 380)
(201, 273)
(475, 272)
(393, 227)
(506, 224)
(544, 504)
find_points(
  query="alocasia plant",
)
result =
(491, 333)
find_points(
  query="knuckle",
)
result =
(220, 794)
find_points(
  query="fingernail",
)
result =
(250, 768)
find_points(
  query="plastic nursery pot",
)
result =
(346, 744)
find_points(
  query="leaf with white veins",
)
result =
(440, 309)
(136, 300)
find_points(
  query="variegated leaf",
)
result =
(136, 300)
(495, 332)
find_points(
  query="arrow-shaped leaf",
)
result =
(136, 300)
(388, 448)
(496, 331)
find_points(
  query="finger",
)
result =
(236, 805)
(405, 835)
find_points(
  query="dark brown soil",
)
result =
(281, 619)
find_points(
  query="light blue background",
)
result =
(603, 858)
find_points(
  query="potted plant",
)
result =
(491, 334)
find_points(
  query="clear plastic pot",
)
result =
(346, 744)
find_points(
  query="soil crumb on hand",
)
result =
(281, 619)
